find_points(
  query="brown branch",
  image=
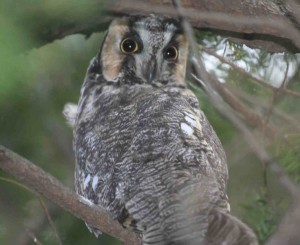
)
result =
(202, 18)
(261, 24)
(249, 116)
(266, 24)
(50, 187)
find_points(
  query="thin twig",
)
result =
(249, 116)
(277, 94)
(42, 203)
(279, 113)
(17, 184)
(50, 220)
(244, 72)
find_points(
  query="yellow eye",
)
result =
(171, 53)
(129, 45)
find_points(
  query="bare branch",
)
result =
(44, 183)
(249, 116)
(42, 203)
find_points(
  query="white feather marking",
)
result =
(186, 129)
(86, 201)
(228, 207)
(95, 182)
(192, 116)
(86, 181)
(119, 190)
(191, 120)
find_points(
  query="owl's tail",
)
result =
(191, 217)
(226, 229)
(184, 215)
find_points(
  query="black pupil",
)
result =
(170, 53)
(129, 45)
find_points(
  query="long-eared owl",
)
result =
(145, 152)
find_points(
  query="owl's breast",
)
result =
(135, 139)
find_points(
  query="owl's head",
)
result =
(144, 49)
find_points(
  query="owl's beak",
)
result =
(149, 70)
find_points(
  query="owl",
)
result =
(145, 151)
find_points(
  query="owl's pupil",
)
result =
(128, 45)
(171, 53)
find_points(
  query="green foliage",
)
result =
(289, 156)
(261, 216)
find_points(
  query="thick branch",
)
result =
(259, 24)
(51, 188)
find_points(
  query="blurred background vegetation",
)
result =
(39, 76)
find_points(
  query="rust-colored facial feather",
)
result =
(111, 57)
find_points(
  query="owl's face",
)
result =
(148, 49)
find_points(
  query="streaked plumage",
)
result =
(145, 152)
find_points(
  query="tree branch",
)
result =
(51, 188)
(259, 24)
(249, 116)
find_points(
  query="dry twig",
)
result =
(42, 203)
